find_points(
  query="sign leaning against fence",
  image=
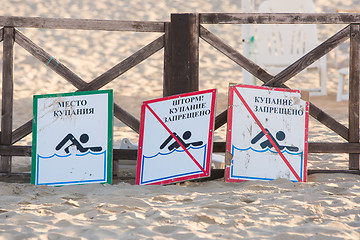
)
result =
(72, 138)
(175, 141)
(267, 134)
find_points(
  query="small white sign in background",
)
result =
(175, 142)
(72, 138)
(267, 134)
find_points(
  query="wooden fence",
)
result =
(181, 70)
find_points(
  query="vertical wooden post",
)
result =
(354, 93)
(7, 95)
(167, 61)
(181, 66)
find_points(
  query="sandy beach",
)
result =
(326, 207)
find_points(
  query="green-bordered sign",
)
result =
(72, 138)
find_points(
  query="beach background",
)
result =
(326, 207)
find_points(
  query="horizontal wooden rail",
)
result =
(24, 151)
(326, 171)
(124, 154)
(324, 147)
(279, 18)
(82, 24)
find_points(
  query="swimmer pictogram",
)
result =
(175, 144)
(280, 136)
(84, 138)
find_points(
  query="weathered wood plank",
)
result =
(279, 18)
(7, 95)
(184, 50)
(354, 89)
(22, 131)
(215, 174)
(15, 177)
(310, 58)
(48, 60)
(219, 147)
(24, 151)
(7, 86)
(124, 154)
(82, 24)
(314, 171)
(326, 147)
(234, 55)
(125, 65)
(1, 34)
(126, 161)
(168, 72)
(221, 119)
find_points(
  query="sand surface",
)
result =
(326, 207)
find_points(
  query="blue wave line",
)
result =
(80, 155)
(265, 150)
(159, 153)
(90, 152)
(54, 155)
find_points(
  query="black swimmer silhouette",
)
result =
(185, 136)
(280, 135)
(84, 138)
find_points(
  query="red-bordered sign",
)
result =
(267, 134)
(175, 141)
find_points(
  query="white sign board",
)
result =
(175, 140)
(267, 134)
(72, 138)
